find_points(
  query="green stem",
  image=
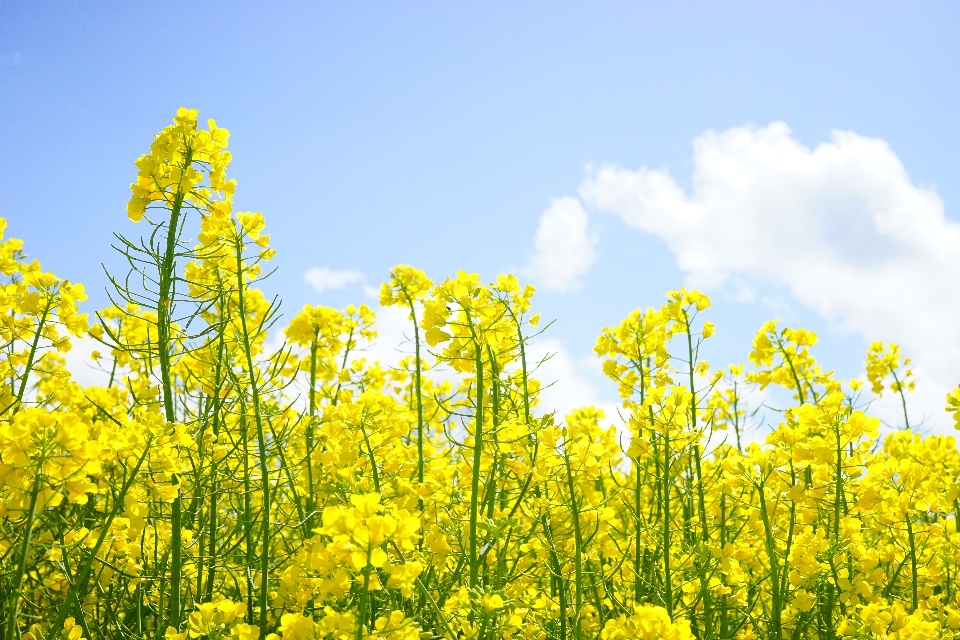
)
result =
(164, 321)
(638, 532)
(914, 601)
(214, 488)
(33, 354)
(176, 560)
(665, 484)
(373, 460)
(247, 508)
(364, 599)
(78, 588)
(477, 457)
(903, 398)
(310, 426)
(261, 441)
(638, 493)
(578, 547)
(417, 381)
(793, 372)
(701, 499)
(776, 605)
(558, 576)
(12, 624)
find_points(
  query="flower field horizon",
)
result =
(221, 485)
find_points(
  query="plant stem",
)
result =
(79, 586)
(261, 440)
(164, 321)
(701, 500)
(310, 426)
(914, 599)
(417, 381)
(12, 620)
(31, 357)
(578, 546)
(665, 484)
(903, 398)
(477, 457)
(776, 605)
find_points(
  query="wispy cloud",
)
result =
(325, 279)
(567, 382)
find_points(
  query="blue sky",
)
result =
(440, 134)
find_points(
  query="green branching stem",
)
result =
(311, 420)
(903, 397)
(701, 498)
(78, 589)
(665, 488)
(14, 613)
(577, 544)
(418, 369)
(31, 357)
(165, 305)
(776, 597)
(261, 439)
(477, 458)
(914, 590)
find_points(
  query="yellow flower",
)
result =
(646, 623)
(296, 626)
(491, 602)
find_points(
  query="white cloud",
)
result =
(570, 385)
(394, 339)
(564, 248)
(842, 226)
(324, 279)
(84, 370)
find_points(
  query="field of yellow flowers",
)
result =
(215, 489)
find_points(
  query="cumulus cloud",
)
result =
(563, 246)
(842, 226)
(325, 279)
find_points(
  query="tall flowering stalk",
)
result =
(216, 485)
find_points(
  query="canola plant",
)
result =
(213, 488)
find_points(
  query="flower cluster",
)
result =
(216, 485)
